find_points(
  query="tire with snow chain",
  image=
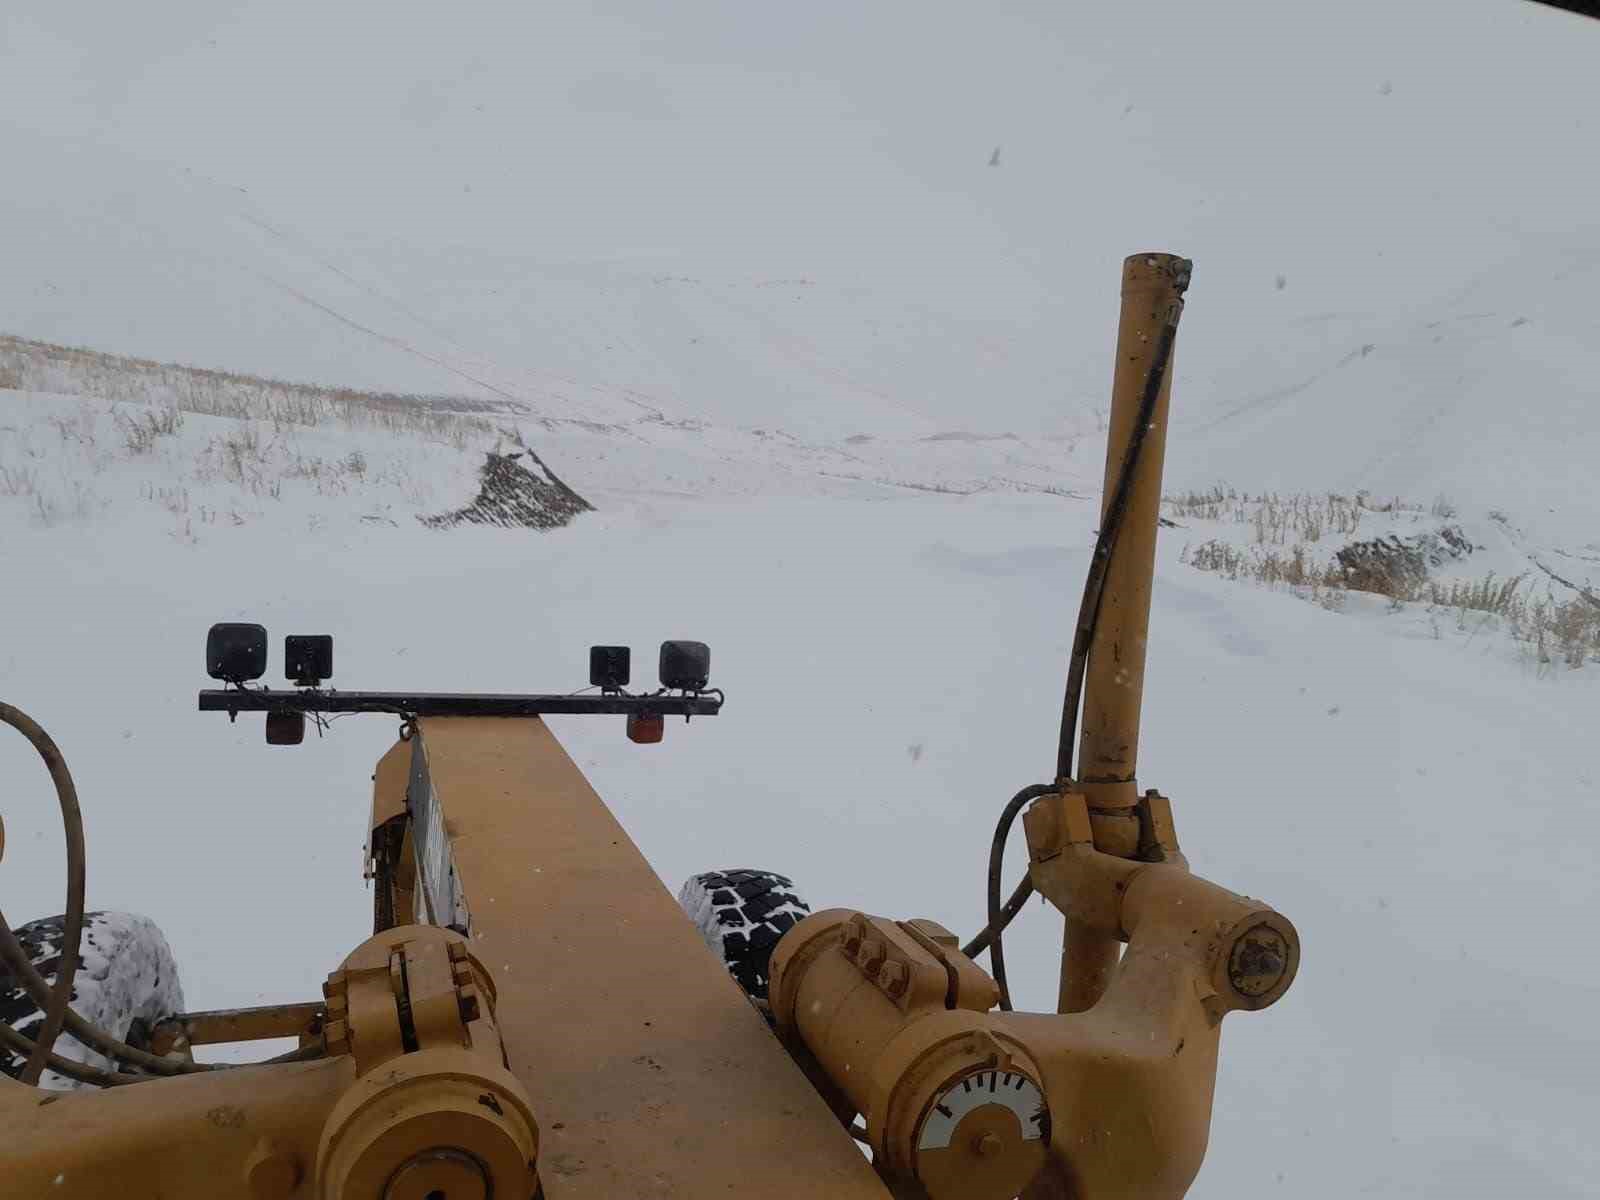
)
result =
(741, 914)
(126, 982)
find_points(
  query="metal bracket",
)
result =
(1158, 834)
(1056, 821)
(415, 990)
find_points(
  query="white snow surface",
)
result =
(893, 660)
(835, 388)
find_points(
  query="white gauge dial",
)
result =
(1010, 1089)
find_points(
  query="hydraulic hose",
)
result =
(15, 957)
(1009, 909)
(997, 851)
(1105, 544)
(20, 1044)
(55, 1002)
(1000, 916)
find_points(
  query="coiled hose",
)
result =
(55, 1005)
(55, 1002)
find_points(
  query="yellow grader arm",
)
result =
(580, 993)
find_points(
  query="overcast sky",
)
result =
(1371, 153)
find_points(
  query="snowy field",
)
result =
(893, 661)
(836, 388)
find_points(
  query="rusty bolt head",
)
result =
(871, 954)
(1258, 961)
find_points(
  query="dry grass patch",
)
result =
(1275, 519)
(140, 432)
(44, 367)
(1550, 630)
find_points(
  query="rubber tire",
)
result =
(741, 913)
(126, 982)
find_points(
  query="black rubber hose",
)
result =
(997, 852)
(1105, 543)
(15, 956)
(55, 1004)
(21, 1044)
(1008, 910)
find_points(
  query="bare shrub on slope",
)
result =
(141, 431)
(512, 496)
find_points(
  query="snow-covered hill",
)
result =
(834, 385)
(1485, 394)
(745, 220)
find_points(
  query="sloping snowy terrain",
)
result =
(836, 390)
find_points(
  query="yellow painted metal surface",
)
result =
(222, 1135)
(650, 1073)
(235, 1025)
(1114, 683)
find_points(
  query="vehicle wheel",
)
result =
(741, 914)
(126, 982)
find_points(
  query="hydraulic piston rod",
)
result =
(1152, 298)
(1152, 284)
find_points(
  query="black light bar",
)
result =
(457, 704)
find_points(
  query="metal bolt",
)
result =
(854, 931)
(871, 955)
(1258, 961)
(987, 1146)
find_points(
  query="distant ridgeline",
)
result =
(33, 366)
